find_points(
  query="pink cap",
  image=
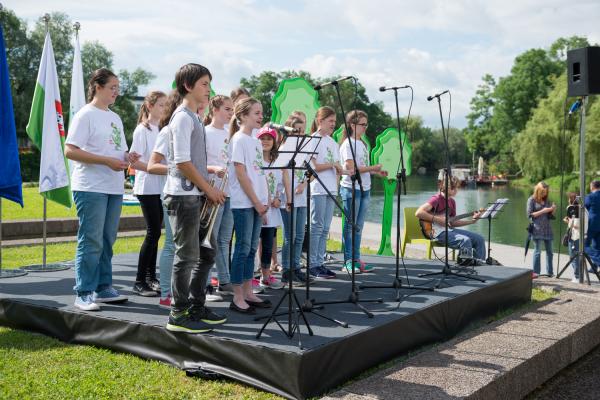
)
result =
(265, 130)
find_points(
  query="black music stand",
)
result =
(295, 147)
(490, 214)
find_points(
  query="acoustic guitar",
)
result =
(430, 229)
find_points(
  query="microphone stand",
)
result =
(401, 183)
(447, 271)
(353, 298)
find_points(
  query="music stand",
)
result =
(294, 150)
(489, 214)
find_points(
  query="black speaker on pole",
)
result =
(583, 71)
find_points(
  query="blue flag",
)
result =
(10, 169)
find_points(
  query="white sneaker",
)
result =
(213, 297)
(575, 280)
(86, 303)
(271, 282)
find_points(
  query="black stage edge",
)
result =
(43, 303)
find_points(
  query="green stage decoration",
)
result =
(387, 153)
(295, 94)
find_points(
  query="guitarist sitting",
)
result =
(434, 211)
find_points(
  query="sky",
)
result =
(432, 45)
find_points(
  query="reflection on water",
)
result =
(508, 228)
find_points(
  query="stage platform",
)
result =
(43, 302)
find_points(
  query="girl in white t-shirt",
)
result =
(268, 233)
(148, 189)
(96, 145)
(249, 202)
(220, 111)
(357, 122)
(327, 165)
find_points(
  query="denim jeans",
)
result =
(536, 256)
(192, 263)
(574, 250)
(224, 232)
(361, 205)
(321, 213)
(465, 241)
(165, 263)
(592, 247)
(98, 215)
(299, 224)
(247, 224)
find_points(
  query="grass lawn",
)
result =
(40, 367)
(34, 208)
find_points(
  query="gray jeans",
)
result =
(192, 262)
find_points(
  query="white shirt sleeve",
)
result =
(161, 145)
(181, 126)
(139, 142)
(345, 153)
(80, 131)
(237, 152)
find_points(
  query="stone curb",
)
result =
(506, 359)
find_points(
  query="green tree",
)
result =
(479, 131)
(558, 50)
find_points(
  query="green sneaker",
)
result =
(187, 324)
(348, 267)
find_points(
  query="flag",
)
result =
(46, 130)
(77, 89)
(10, 170)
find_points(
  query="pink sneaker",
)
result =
(271, 283)
(534, 275)
(256, 287)
(214, 282)
(165, 302)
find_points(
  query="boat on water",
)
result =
(463, 172)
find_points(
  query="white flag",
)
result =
(77, 86)
(46, 130)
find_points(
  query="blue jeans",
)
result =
(321, 213)
(98, 215)
(299, 224)
(362, 204)
(224, 231)
(167, 255)
(247, 224)
(573, 250)
(464, 240)
(536, 256)
(592, 247)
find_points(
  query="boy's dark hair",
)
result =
(596, 184)
(188, 75)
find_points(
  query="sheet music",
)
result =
(494, 209)
(287, 150)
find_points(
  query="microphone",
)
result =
(335, 82)
(383, 88)
(575, 106)
(429, 98)
(283, 128)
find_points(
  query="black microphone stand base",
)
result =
(398, 286)
(586, 259)
(353, 299)
(447, 273)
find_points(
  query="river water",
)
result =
(507, 228)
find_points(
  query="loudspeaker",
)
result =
(583, 71)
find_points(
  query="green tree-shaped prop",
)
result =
(387, 153)
(294, 94)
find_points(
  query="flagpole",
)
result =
(45, 267)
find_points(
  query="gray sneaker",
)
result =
(225, 289)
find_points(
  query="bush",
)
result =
(30, 166)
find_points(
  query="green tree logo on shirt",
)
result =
(329, 157)
(259, 162)
(272, 184)
(299, 175)
(116, 136)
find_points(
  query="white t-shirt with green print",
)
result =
(99, 132)
(328, 151)
(362, 159)
(248, 151)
